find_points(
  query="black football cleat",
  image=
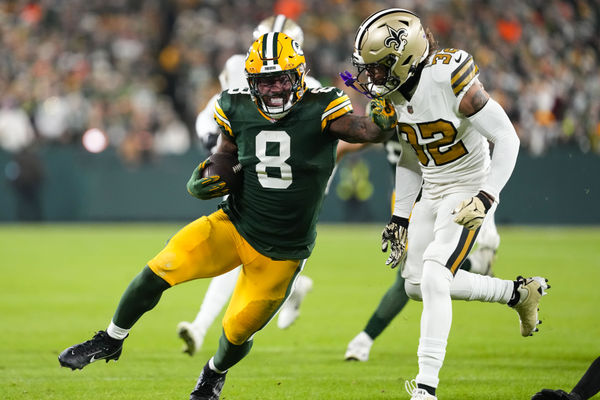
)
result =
(100, 347)
(209, 385)
(549, 394)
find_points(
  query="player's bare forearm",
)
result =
(357, 129)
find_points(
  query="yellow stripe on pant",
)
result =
(211, 246)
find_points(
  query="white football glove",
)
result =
(396, 232)
(471, 212)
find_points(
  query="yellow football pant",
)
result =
(211, 246)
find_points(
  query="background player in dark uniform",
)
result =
(285, 138)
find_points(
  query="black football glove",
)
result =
(396, 232)
(549, 394)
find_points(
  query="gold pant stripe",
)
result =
(465, 243)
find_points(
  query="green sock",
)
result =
(142, 294)
(229, 354)
(392, 302)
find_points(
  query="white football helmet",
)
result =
(280, 23)
(389, 45)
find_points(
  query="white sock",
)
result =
(436, 320)
(469, 286)
(115, 332)
(211, 365)
(431, 354)
(217, 295)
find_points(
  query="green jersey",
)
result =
(285, 164)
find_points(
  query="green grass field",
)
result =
(60, 283)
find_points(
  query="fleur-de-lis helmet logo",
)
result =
(397, 39)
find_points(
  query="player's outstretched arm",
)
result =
(379, 126)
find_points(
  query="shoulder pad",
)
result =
(454, 66)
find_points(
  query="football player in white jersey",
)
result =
(221, 287)
(395, 298)
(445, 119)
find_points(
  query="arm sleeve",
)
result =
(493, 123)
(408, 181)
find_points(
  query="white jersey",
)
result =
(232, 76)
(454, 157)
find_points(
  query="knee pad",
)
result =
(436, 279)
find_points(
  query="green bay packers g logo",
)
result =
(397, 39)
(297, 48)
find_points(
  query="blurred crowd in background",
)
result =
(132, 74)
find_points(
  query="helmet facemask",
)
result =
(276, 92)
(376, 79)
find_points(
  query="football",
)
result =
(227, 166)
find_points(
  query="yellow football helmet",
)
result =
(280, 23)
(389, 45)
(275, 69)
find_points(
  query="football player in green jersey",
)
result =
(285, 137)
(221, 287)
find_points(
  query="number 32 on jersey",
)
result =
(439, 138)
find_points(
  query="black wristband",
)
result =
(403, 222)
(486, 199)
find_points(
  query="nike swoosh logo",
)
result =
(94, 358)
(457, 59)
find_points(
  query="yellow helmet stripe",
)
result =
(463, 75)
(221, 119)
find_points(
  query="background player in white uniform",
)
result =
(221, 287)
(446, 117)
